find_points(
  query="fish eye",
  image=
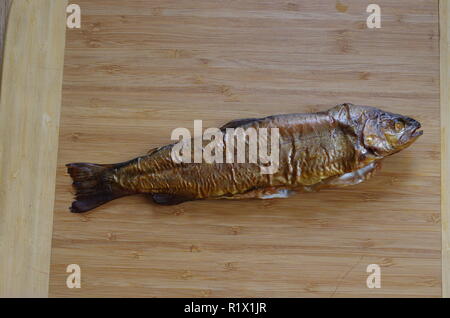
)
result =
(399, 126)
(370, 140)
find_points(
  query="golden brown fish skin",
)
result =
(339, 147)
(313, 147)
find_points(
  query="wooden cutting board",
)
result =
(137, 69)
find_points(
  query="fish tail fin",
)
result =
(94, 185)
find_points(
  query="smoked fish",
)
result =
(342, 146)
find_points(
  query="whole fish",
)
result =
(342, 146)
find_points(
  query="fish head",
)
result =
(386, 133)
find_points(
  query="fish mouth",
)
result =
(416, 132)
(411, 136)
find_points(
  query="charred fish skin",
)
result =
(338, 147)
(312, 148)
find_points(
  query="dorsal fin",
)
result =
(240, 122)
(156, 149)
(153, 150)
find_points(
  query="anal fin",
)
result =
(169, 199)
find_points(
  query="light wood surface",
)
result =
(4, 9)
(444, 15)
(29, 118)
(138, 69)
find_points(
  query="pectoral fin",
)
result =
(264, 193)
(281, 193)
(350, 178)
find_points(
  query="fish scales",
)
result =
(308, 137)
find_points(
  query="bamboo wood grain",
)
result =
(444, 15)
(138, 69)
(29, 121)
(4, 9)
